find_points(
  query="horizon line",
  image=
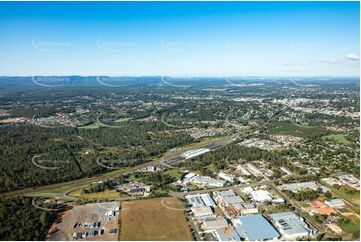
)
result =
(186, 76)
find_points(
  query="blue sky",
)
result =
(181, 39)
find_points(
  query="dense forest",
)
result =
(20, 220)
(72, 153)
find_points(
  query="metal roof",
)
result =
(255, 227)
(228, 193)
(290, 223)
(214, 223)
(232, 200)
(202, 200)
(335, 202)
(227, 234)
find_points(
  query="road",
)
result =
(295, 204)
(298, 208)
(194, 228)
(79, 183)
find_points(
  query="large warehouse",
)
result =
(248, 228)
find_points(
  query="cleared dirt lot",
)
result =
(63, 228)
(151, 220)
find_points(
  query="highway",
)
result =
(83, 182)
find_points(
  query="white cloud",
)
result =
(353, 57)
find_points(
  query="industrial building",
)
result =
(221, 194)
(193, 153)
(225, 176)
(296, 187)
(248, 208)
(214, 223)
(243, 170)
(187, 178)
(255, 227)
(200, 200)
(247, 190)
(254, 170)
(226, 234)
(230, 203)
(207, 181)
(135, 188)
(334, 203)
(291, 226)
(201, 212)
(232, 200)
(260, 196)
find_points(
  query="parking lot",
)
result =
(97, 221)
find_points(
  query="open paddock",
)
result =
(151, 220)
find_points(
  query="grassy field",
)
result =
(339, 138)
(288, 128)
(90, 126)
(352, 227)
(174, 173)
(58, 189)
(104, 194)
(150, 220)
